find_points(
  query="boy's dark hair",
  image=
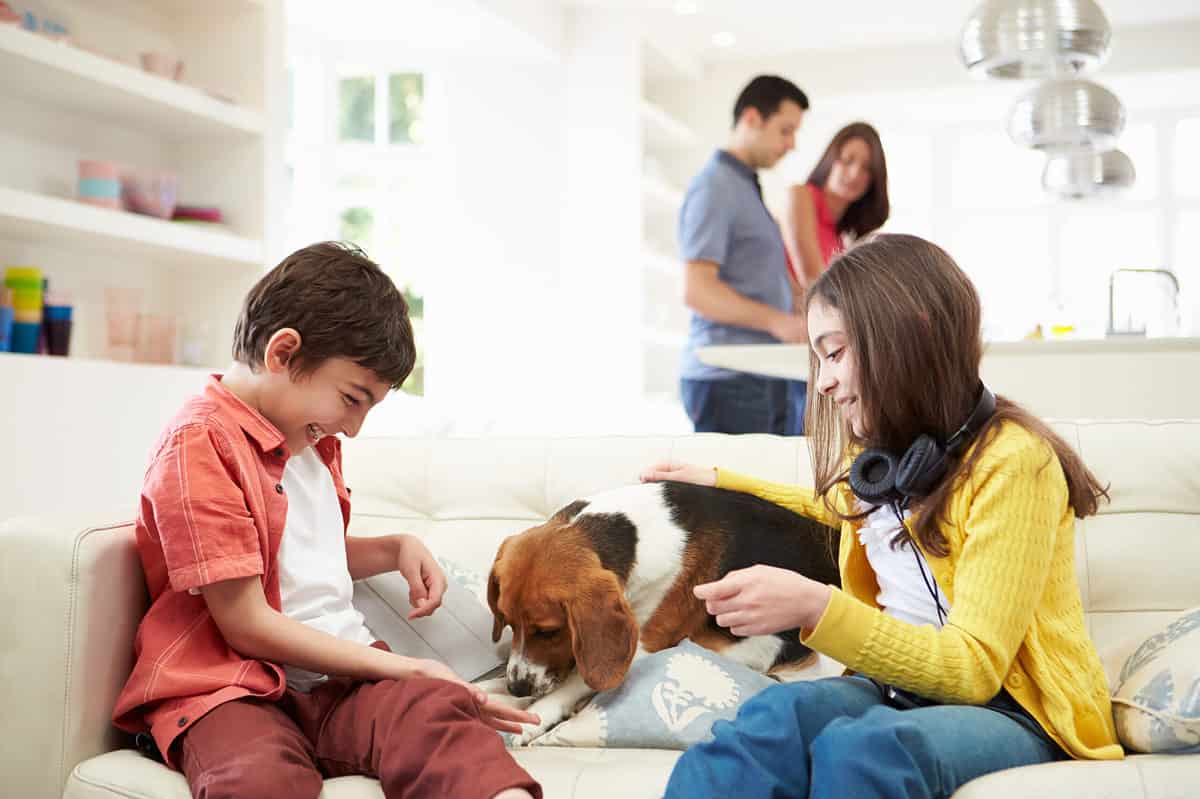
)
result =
(765, 94)
(343, 306)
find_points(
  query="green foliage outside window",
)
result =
(406, 94)
(357, 224)
(356, 109)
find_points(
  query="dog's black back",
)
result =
(758, 531)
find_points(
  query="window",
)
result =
(1187, 158)
(1007, 257)
(406, 93)
(356, 109)
(1094, 243)
(356, 225)
(1140, 143)
(368, 180)
(988, 171)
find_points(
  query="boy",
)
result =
(255, 675)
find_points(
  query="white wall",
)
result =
(77, 434)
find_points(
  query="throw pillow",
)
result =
(1157, 706)
(669, 700)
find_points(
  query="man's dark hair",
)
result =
(766, 93)
(343, 306)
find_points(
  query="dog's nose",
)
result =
(520, 687)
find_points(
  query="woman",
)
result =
(845, 199)
(960, 617)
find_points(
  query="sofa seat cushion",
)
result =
(563, 773)
(1135, 777)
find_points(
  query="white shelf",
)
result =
(66, 77)
(660, 195)
(36, 217)
(665, 131)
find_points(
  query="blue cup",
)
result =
(25, 337)
(57, 313)
(6, 325)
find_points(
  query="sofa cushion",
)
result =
(1157, 704)
(563, 774)
(669, 700)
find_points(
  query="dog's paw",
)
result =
(550, 711)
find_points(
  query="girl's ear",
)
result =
(281, 349)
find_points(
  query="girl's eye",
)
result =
(834, 355)
(349, 400)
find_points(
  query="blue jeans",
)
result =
(797, 397)
(744, 403)
(839, 737)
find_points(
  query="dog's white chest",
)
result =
(658, 557)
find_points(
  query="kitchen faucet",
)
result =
(1112, 278)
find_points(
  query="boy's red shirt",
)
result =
(212, 508)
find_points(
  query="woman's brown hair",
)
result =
(870, 211)
(912, 320)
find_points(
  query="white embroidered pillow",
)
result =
(1157, 706)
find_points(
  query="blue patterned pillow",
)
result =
(1157, 706)
(669, 700)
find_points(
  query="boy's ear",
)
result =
(281, 348)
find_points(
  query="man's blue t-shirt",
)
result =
(724, 220)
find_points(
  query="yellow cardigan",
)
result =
(1016, 617)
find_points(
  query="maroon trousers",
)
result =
(421, 737)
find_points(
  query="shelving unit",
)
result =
(218, 129)
(671, 153)
(78, 81)
(25, 216)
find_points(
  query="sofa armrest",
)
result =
(74, 593)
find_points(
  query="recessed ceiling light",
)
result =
(686, 7)
(724, 39)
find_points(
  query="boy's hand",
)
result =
(426, 581)
(492, 712)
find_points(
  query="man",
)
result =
(737, 283)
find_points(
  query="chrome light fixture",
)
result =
(1075, 175)
(1035, 38)
(1067, 114)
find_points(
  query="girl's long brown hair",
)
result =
(912, 319)
(870, 211)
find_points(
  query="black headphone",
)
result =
(878, 477)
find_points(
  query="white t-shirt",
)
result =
(314, 580)
(903, 593)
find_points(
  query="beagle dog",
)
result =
(610, 577)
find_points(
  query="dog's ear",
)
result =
(604, 632)
(493, 597)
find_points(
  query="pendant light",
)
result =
(1076, 175)
(1064, 114)
(1035, 38)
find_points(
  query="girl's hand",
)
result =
(492, 712)
(426, 580)
(680, 473)
(763, 600)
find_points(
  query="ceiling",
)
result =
(774, 27)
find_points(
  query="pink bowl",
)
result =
(152, 194)
(163, 64)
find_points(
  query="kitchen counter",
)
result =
(1120, 377)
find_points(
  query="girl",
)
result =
(960, 616)
(844, 200)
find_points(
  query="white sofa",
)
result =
(74, 593)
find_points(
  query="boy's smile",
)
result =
(334, 398)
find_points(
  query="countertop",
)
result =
(791, 360)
